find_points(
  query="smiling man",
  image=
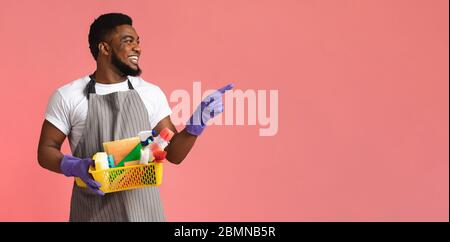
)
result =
(113, 103)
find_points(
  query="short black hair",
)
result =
(102, 26)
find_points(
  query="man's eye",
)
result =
(128, 41)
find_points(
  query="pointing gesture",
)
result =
(225, 88)
(209, 108)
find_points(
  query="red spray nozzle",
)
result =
(159, 154)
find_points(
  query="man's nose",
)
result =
(137, 48)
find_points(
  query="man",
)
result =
(111, 104)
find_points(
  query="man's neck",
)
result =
(108, 75)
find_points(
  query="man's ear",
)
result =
(104, 48)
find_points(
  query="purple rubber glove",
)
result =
(77, 167)
(209, 108)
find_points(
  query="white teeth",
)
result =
(134, 59)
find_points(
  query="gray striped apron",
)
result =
(110, 117)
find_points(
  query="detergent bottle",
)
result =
(146, 138)
(162, 140)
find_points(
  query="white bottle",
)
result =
(146, 153)
(161, 142)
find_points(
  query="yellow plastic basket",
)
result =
(125, 178)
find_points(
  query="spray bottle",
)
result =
(160, 142)
(146, 138)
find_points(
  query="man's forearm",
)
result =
(179, 146)
(50, 158)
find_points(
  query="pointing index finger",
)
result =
(226, 88)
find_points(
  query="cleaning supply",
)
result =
(146, 155)
(111, 161)
(160, 155)
(101, 161)
(146, 138)
(120, 148)
(135, 154)
(162, 140)
(160, 143)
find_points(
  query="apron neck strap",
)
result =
(90, 88)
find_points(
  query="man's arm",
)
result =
(49, 154)
(181, 143)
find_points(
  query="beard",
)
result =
(124, 68)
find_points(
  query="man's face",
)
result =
(125, 50)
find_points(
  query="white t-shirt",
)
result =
(68, 106)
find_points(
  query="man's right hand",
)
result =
(77, 167)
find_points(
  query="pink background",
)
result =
(363, 105)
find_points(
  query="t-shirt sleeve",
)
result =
(57, 113)
(161, 108)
